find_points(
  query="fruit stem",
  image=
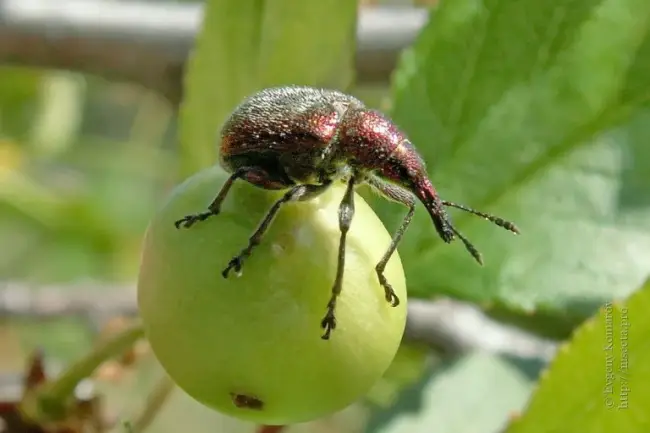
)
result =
(48, 401)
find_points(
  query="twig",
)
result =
(155, 401)
(148, 42)
(65, 383)
(449, 325)
(46, 402)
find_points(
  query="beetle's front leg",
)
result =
(346, 212)
(253, 175)
(297, 193)
(189, 220)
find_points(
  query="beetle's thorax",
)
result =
(372, 143)
(366, 138)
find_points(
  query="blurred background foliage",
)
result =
(84, 162)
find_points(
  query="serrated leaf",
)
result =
(246, 45)
(598, 381)
(509, 102)
(460, 397)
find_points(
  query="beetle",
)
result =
(303, 139)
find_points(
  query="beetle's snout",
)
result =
(434, 206)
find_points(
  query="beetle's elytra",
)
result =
(302, 139)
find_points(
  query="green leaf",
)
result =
(512, 104)
(598, 381)
(246, 45)
(19, 91)
(460, 397)
(408, 367)
(310, 43)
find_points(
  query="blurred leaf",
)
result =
(597, 382)
(246, 45)
(310, 43)
(12, 158)
(374, 95)
(460, 397)
(61, 110)
(19, 89)
(19, 84)
(407, 367)
(504, 98)
(62, 339)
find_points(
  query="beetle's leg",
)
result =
(297, 193)
(189, 220)
(346, 212)
(400, 195)
(254, 175)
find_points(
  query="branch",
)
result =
(49, 401)
(148, 42)
(449, 325)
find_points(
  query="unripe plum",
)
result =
(251, 346)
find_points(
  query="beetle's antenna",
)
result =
(435, 206)
(468, 245)
(494, 219)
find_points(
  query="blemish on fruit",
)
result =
(246, 401)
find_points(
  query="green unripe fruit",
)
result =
(251, 346)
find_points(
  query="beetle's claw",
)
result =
(391, 297)
(189, 220)
(236, 264)
(328, 323)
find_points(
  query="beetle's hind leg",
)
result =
(297, 193)
(399, 195)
